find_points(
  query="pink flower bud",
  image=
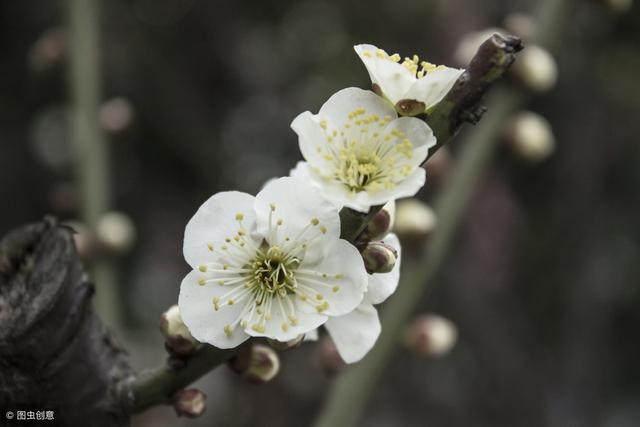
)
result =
(256, 363)
(379, 257)
(190, 403)
(177, 337)
(430, 335)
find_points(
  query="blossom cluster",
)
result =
(274, 265)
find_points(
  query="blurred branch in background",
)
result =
(350, 393)
(89, 144)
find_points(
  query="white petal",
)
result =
(419, 133)
(311, 136)
(355, 333)
(394, 79)
(214, 221)
(297, 204)
(344, 261)
(431, 88)
(274, 329)
(382, 285)
(337, 108)
(198, 313)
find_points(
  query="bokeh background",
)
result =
(542, 282)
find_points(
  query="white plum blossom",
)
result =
(355, 333)
(359, 153)
(412, 86)
(269, 266)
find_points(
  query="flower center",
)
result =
(272, 271)
(413, 64)
(366, 154)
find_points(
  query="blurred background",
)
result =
(197, 97)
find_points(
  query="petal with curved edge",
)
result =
(214, 221)
(382, 285)
(431, 88)
(304, 215)
(204, 322)
(338, 107)
(354, 334)
(335, 285)
(311, 138)
(393, 79)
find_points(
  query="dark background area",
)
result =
(542, 282)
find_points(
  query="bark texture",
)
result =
(55, 353)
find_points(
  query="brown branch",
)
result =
(54, 351)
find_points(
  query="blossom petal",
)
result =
(382, 285)
(281, 328)
(311, 335)
(342, 103)
(300, 208)
(311, 137)
(431, 88)
(204, 322)
(393, 79)
(336, 283)
(214, 221)
(355, 333)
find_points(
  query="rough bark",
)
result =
(55, 353)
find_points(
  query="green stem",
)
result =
(158, 386)
(88, 142)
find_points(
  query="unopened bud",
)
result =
(530, 136)
(430, 335)
(470, 43)
(286, 345)
(382, 222)
(49, 50)
(379, 257)
(256, 363)
(536, 69)
(414, 219)
(116, 231)
(520, 24)
(175, 332)
(190, 403)
(116, 115)
(331, 362)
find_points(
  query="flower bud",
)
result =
(382, 222)
(536, 69)
(379, 257)
(430, 335)
(116, 231)
(175, 332)
(414, 219)
(286, 345)
(331, 362)
(530, 136)
(116, 115)
(256, 363)
(190, 403)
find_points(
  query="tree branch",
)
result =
(54, 351)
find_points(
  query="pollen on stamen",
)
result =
(315, 221)
(338, 276)
(210, 247)
(225, 266)
(203, 268)
(319, 297)
(322, 307)
(293, 319)
(258, 328)
(279, 221)
(239, 216)
(272, 206)
(230, 302)
(323, 229)
(335, 289)
(284, 327)
(227, 330)
(201, 281)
